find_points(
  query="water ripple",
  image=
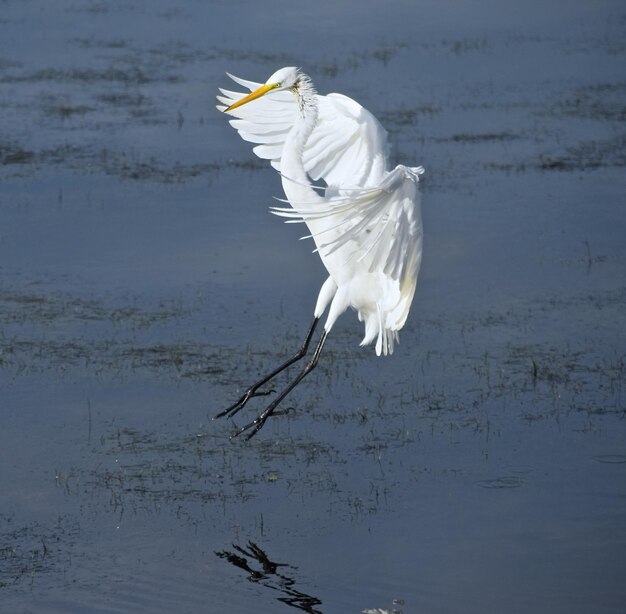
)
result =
(505, 481)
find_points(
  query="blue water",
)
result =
(143, 285)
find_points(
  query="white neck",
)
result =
(295, 181)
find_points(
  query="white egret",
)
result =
(365, 220)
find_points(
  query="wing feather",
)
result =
(379, 227)
(347, 148)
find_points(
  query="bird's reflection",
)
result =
(260, 568)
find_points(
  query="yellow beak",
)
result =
(253, 96)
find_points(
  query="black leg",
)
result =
(257, 424)
(252, 391)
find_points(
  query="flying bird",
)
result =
(365, 220)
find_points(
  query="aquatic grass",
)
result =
(30, 552)
(15, 158)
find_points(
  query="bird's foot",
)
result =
(258, 423)
(241, 403)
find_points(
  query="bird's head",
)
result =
(286, 78)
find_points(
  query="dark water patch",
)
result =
(124, 99)
(611, 42)
(19, 306)
(250, 55)
(382, 54)
(137, 104)
(127, 166)
(188, 359)
(611, 459)
(603, 101)
(132, 75)
(487, 137)
(13, 153)
(519, 470)
(6, 63)
(462, 46)
(30, 552)
(177, 53)
(131, 167)
(59, 332)
(93, 43)
(587, 155)
(98, 8)
(405, 116)
(385, 53)
(596, 301)
(120, 357)
(593, 408)
(503, 482)
(64, 111)
(136, 64)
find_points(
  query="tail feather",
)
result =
(386, 338)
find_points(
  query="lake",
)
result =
(144, 285)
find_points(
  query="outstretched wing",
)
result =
(266, 121)
(377, 229)
(347, 148)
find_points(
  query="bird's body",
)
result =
(365, 219)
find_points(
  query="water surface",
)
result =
(143, 284)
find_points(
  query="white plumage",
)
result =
(365, 219)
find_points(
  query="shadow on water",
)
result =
(268, 574)
(262, 570)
